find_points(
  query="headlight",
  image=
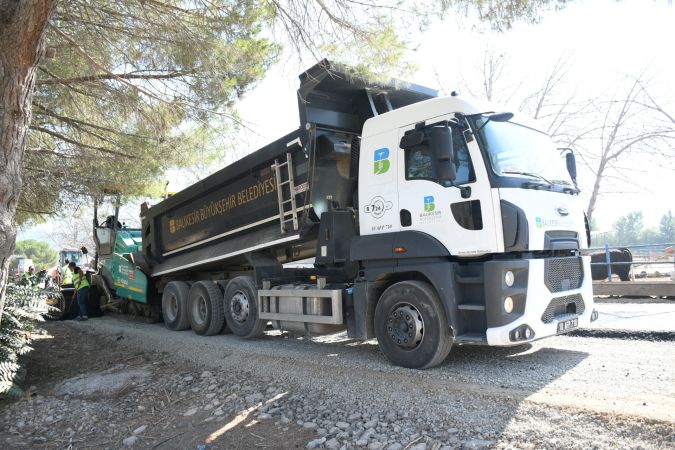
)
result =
(509, 278)
(508, 304)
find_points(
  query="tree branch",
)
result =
(113, 76)
(75, 122)
(98, 66)
(30, 211)
(79, 144)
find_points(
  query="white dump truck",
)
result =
(432, 221)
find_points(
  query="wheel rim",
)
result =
(405, 326)
(239, 307)
(172, 307)
(199, 310)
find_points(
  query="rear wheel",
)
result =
(206, 308)
(57, 303)
(94, 302)
(175, 306)
(241, 311)
(411, 325)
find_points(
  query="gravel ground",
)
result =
(288, 391)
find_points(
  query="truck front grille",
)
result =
(569, 304)
(563, 274)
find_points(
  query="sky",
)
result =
(605, 40)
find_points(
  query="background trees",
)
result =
(127, 82)
(629, 229)
(619, 132)
(625, 123)
(667, 227)
(42, 254)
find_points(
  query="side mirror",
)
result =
(443, 152)
(571, 161)
(411, 139)
(501, 117)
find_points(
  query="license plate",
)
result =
(567, 325)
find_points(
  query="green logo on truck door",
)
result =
(429, 204)
(381, 161)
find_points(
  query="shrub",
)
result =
(24, 308)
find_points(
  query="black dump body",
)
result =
(225, 221)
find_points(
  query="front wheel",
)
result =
(411, 325)
(241, 310)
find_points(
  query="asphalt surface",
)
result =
(646, 317)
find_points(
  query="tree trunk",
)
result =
(22, 29)
(596, 189)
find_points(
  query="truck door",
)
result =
(378, 187)
(462, 219)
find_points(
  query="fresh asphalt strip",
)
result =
(624, 334)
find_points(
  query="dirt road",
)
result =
(285, 391)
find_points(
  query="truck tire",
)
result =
(206, 308)
(175, 306)
(94, 302)
(241, 310)
(411, 325)
(59, 306)
(221, 285)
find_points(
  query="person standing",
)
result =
(81, 285)
(28, 278)
(66, 275)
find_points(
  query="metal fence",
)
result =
(649, 260)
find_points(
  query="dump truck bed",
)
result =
(217, 222)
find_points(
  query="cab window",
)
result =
(419, 161)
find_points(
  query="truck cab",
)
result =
(492, 197)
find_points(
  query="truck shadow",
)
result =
(557, 360)
(475, 388)
(486, 386)
(538, 364)
(528, 367)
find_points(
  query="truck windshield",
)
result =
(518, 151)
(72, 256)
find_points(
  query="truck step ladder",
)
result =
(471, 339)
(283, 199)
(470, 307)
(468, 279)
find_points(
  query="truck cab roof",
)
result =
(431, 108)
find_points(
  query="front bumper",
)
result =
(541, 311)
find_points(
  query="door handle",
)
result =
(406, 218)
